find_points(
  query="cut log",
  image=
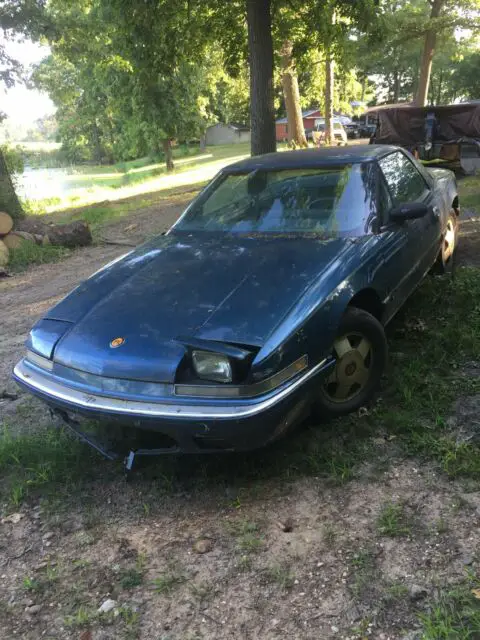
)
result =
(74, 234)
(4, 254)
(25, 235)
(6, 223)
(31, 224)
(13, 240)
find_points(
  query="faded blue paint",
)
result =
(278, 295)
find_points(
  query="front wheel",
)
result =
(360, 350)
(445, 262)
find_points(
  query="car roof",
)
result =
(312, 158)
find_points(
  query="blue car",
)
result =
(267, 299)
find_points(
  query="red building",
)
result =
(308, 117)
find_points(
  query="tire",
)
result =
(445, 262)
(361, 352)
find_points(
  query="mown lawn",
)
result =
(87, 184)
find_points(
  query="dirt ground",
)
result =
(307, 559)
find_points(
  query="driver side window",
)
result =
(403, 179)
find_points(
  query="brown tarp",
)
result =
(406, 125)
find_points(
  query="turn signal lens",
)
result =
(40, 361)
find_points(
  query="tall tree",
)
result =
(17, 18)
(427, 54)
(291, 93)
(261, 76)
(9, 201)
(334, 23)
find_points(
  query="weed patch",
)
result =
(454, 614)
(168, 582)
(392, 521)
(30, 253)
(249, 539)
(50, 461)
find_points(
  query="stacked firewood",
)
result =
(74, 234)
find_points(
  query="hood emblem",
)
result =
(117, 342)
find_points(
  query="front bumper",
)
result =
(185, 425)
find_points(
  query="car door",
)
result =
(419, 239)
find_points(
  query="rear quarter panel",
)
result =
(445, 186)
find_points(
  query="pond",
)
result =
(39, 184)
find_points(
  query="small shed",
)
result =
(232, 133)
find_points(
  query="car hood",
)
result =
(231, 288)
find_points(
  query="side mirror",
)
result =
(409, 211)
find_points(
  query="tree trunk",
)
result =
(167, 149)
(364, 88)
(431, 91)
(396, 86)
(261, 77)
(97, 145)
(291, 93)
(440, 87)
(329, 80)
(9, 201)
(427, 56)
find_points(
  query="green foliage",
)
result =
(13, 158)
(118, 101)
(465, 77)
(394, 57)
(19, 18)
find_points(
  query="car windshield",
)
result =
(328, 201)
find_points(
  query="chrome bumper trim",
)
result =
(43, 384)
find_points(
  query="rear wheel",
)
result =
(360, 350)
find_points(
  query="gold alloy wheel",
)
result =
(352, 369)
(449, 241)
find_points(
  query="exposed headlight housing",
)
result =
(212, 366)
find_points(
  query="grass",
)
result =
(392, 520)
(30, 253)
(202, 590)
(247, 533)
(132, 577)
(280, 575)
(46, 462)
(81, 618)
(88, 184)
(364, 575)
(469, 191)
(455, 614)
(168, 582)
